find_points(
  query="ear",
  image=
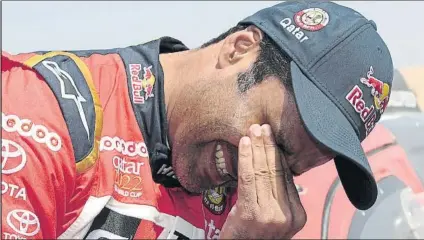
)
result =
(239, 45)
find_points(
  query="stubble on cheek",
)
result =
(186, 167)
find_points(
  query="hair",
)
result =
(270, 62)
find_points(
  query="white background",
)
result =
(33, 26)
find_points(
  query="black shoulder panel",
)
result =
(70, 80)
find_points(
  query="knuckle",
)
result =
(258, 143)
(271, 149)
(244, 154)
(262, 172)
(270, 145)
(272, 218)
(281, 219)
(246, 217)
(273, 171)
(247, 178)
(248, 214)
(263, 220)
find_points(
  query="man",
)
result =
(121, 143)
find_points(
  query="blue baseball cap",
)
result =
(342, 74)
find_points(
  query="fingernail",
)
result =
(245, 141)
(266, 130)
(257, 131)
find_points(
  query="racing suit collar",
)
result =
(149, 107)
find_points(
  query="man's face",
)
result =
(207, 121)
(205, 145)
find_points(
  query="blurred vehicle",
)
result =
(407, 91)
(395, 149)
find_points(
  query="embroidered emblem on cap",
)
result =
(379, 90)
(312, 19)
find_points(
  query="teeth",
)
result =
(220, 160)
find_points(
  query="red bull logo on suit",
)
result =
(142, 89)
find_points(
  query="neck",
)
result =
(182, 73)
(178, 73)
(175, 74)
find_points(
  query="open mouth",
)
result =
(224, 161)
(220, 161)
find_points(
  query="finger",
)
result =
(274, 165)
(291, 189)
(260, 165)
(259, 157)
(295, 213)
(246, 175)
(298, 213)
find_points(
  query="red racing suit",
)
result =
(80, 132)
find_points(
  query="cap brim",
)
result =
(326, 123)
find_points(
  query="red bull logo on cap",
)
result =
(142, 89)
(379, 90)
(367, 114)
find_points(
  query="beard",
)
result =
(186, 170)
(188, 166)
